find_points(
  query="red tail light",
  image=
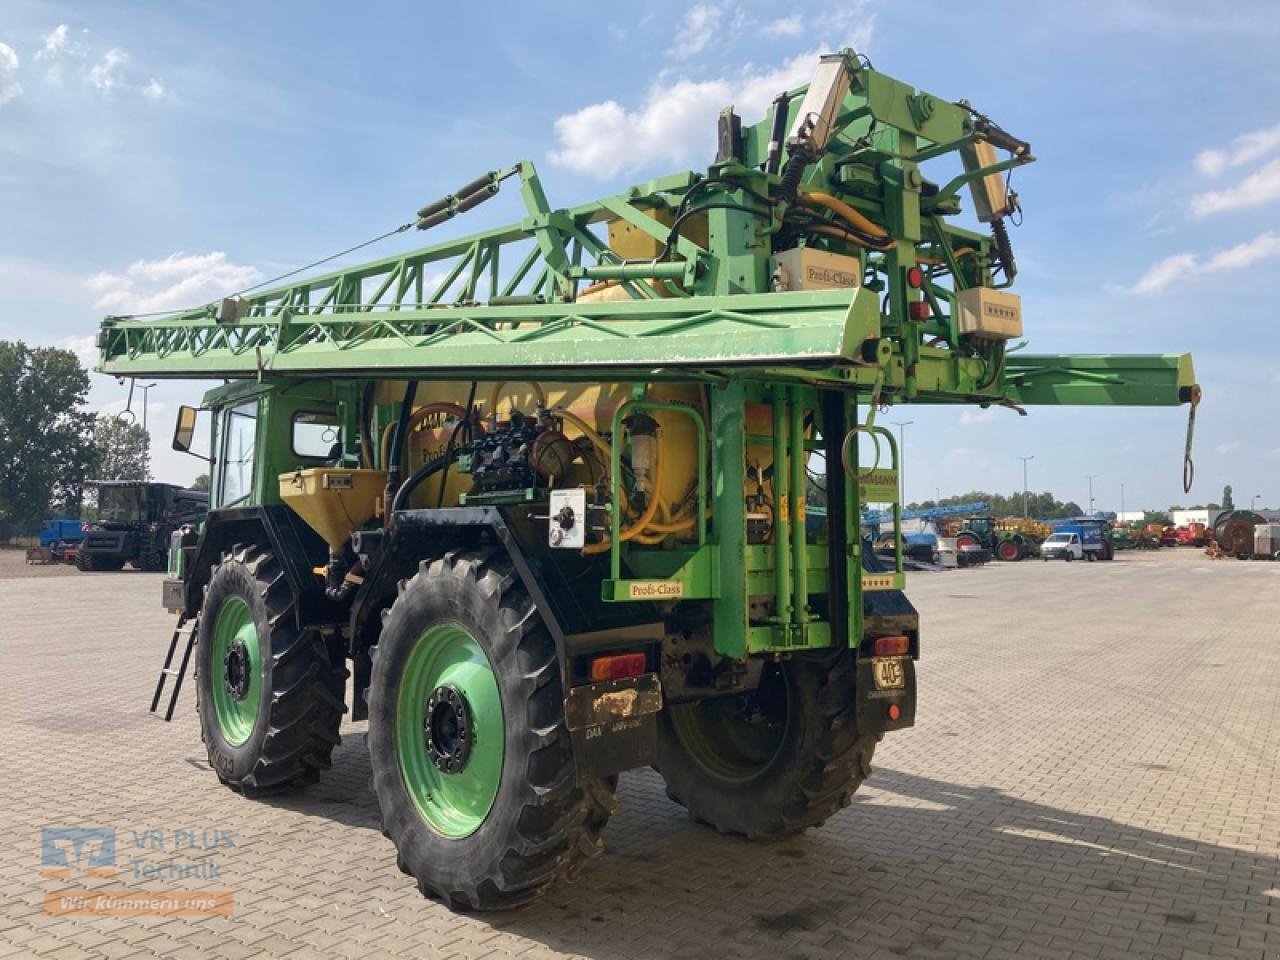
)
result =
(891, 646)
(617, 666)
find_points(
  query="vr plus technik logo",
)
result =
(87, 850)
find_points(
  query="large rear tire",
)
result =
(472, 762)
(269, 694)
(773, 762)
(1009, 551)
(91, 562)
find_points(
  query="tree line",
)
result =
(51, 443)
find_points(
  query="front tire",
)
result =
(472, 762)
(269, 695)
(773, 762)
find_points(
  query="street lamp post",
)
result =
(1122, 501)
(1025, 512)
(1091, 477)
(902, 459)
(1254, 501)
(146, 391)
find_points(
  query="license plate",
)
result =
(890, 672)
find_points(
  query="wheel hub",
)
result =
(448, 729)
(235, 670)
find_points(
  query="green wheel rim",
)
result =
(454, 804)
(736, 738)
(235, 630)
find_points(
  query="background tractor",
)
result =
(134, 523)
(541, 490)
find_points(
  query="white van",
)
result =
(1066, 546)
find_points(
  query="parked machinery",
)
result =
(1009, 539)
(1233, 531)
(134, 522)
(551, 507)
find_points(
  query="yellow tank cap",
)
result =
(334, 502)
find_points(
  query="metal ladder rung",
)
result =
(168, 670)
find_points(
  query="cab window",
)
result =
(240, 427)
(316, 436)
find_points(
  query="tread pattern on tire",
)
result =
(555, 822)
(832, 763)
(307, 689)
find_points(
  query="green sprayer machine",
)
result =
(540, 492)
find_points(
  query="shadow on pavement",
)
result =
(916, 867)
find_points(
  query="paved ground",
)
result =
(1095, 773)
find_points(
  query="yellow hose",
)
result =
(934, 261)
(847, 213)
(646, 518)
(497, 392)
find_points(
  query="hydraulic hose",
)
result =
(646, 518)
(416, 417)
(848, 214)
(416, 478)
(497, 392)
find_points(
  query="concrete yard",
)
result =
(1095, 773)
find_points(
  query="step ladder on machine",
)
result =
(185, 634)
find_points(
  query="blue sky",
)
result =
(156, 155)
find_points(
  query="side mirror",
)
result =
(184, 430)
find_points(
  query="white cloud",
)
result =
(696, 30)
(107, 72)
(1243, 149)
(85, 348)
(1163, 274)
(971, 418)
(55, 42)
(1231, 446)
(154, 90)
(791, 26)
(9, 85)
(1261, 186)
(676, 121)
(177, 281)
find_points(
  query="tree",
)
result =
(45, 433)
(201, 482)
(122, 450)
(1227, 502)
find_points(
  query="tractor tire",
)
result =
(91, 562)
(468, 742)
(154, 562)
(1108, 551)
(269, 694)
(1009, 551)
(773, 762)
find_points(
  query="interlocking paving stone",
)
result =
(1095, 773)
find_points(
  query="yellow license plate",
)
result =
(890, 672)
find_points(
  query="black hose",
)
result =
(1005, 248)
(419, 475)
(397, 439)
(453, 436)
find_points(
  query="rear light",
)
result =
(915, 277)
(918, 310)
(895, 711)
(891, 646)
(617, 666)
